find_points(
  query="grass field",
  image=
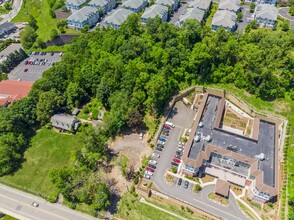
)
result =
(130, 208)
(40, 10)
(48, 150)
(212, 12)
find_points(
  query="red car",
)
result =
(26, 70)
(150, 169)
(167, 127)
(176, 160)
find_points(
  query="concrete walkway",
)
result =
(154, 206)
(15, 9)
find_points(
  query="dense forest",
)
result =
(132, 71)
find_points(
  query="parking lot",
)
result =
(32, 72)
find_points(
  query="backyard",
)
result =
(40, 11)
(48, 150)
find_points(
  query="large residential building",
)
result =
(230, 5)
(172, 4)
(6, 28)
(74, 5)
(270, 2)
(192, 13)
(230, 154)
(224, 19)
(12, 90)
(135, 5)
(154, 11)
(104, 5)
(201, 4)
(85, 16)
(117, 18)
(266, 15)
(65, 122)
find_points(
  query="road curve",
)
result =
(15, 9)
(18, 204)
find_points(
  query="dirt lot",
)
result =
(134, 149)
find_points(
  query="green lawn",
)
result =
(7, 217)
(212, 12)
(3, 11)
(49, 150)
(40, 10)
(130, 208)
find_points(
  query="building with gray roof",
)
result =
(74, 5)
(65, 122)
(192, 13)
(153, 11)
(224, 19)
(85, 16)
(6, 28)
(266, 15)
(201, 4)
(172, 4)
(104, 5)
(136, 5)
(117, 18)
(230, 5)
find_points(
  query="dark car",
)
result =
(177, 156)
(162, 139)
(26, 62)
(165, 133)
(179, 153)
(158, 149)
(52, 54)
(26, 70)
(180, 181)
(165, 130)
(160, 145)
(152, 166)
(174, 164)
(186, 184)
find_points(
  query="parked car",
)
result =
(141, 136)
(156, 155)
(150, 169)
(160, 145)
(180, 181)
(158, 148)
(26, 62)
(152, 166)
(148, 173)
(180, 149)
(146, 176)
(178, 156)
(52, 54)
(26, 70)
(176, 160)
(161, 142)
(179, 153)
(174, 164)
(165, 133)
(162, 139)
(35, 204)
(165, 130)
(152, 162)
(167, 127)
(186, 184)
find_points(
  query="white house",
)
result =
(172, 4)
(153, 11)
(230, 5)
(74, 5)
(104, 5)
(85, 16)
(266, 15)
(224, 19)
(192, 13)
(6, 27)
(135, 5)
(117, 18)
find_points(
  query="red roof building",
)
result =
(12, 90)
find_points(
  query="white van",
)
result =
(170, 124)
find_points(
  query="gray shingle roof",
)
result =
(76, 2)
(192, 13)
(63, 121)
(133, 3)
(224, 18)
(165, 2)
(266, 11)
(231, 5)
(83, 14)
(154, 10)
(202, 4)
(7, 25)
(98, 3)
(119, 17)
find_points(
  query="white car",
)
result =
(180, 149)
(147, 176)
(148, 173)
(161, 142)
(141, 136)
(153, 162)
(156, 155)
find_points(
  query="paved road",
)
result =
(15, 9)
(18, 203)
(283, 12)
